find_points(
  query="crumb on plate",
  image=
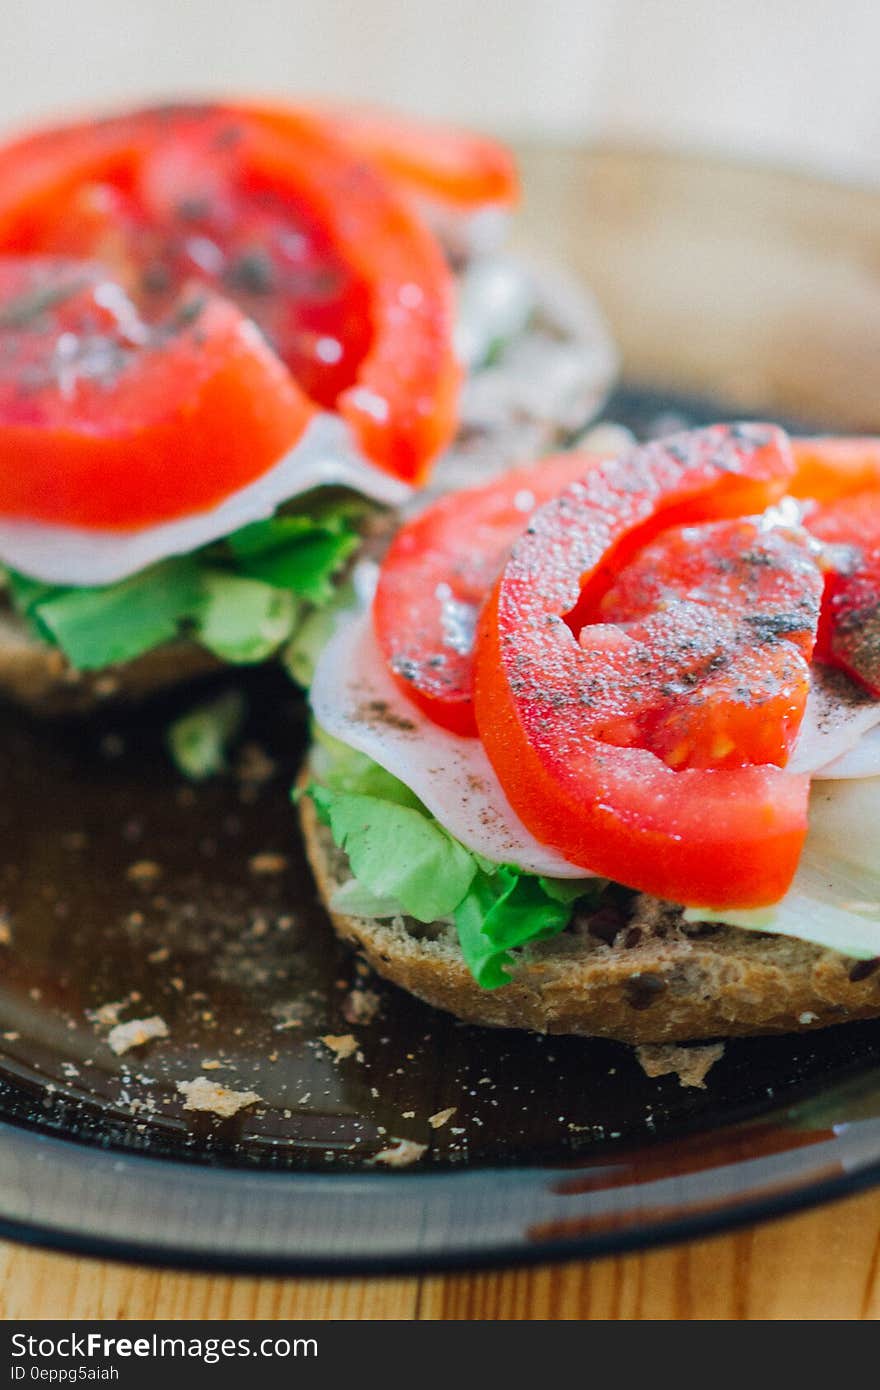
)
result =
(691, 1064)
(203, 1094)
(135, 1033)
(401, 1153)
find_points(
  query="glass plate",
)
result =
(129, 894)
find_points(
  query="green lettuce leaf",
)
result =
(506, 910)
(243, 621)
(100, 627)
(405, 863)
(301, 553)
(263, 577)
(199, 740)
(398, 853)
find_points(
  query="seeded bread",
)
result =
(654, 980)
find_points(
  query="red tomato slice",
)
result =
(722, 620)
(105, 422)
(436, 575)
(312, 243)
(849, 630)
(436, 162)
(842, 475)
(830, 467)
(545, 698)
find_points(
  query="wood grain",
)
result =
(822, 1265)
(765, 288)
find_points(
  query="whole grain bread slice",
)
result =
(657, 981)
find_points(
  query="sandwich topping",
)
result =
(221, 327)
(675, 645)
(274, 212)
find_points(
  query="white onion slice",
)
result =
(355, 700)
(836, 721)
(324, 455)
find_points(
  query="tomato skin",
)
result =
(705, 836)
(144, 427)
(401, 404)
(437, 574)
(828, 467)
(436, 162)
(722, 619)
(840, 480)
(849, 631)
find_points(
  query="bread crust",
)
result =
(731, 983)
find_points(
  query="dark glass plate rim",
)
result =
(645, 1234)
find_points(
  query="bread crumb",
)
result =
(360, 1006)
(108, 1014)
(407, 1114)
(441, 1117)
(11, 1036)
(135, 1033)
(204, 1094)
(343, 1044)
(159, 955)
(210, 1064)
(265, 864)
(143, 871)
(401, 1154)
(691, 1064)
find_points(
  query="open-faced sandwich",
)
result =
(601, 752)
(229, 335)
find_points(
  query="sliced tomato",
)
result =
(435, 162)
(840, 480)
(107, 422)
(435, 578)
(849, 630)
(828, 467)
(722, 619)
(560, 698)
(310, 241)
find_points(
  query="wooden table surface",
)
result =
(764, 288)
(824, 1264)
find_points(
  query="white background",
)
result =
(795, 81)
